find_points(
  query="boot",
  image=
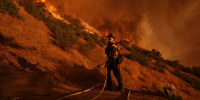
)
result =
(109, 88)
(120, 89)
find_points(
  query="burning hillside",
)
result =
(168, 26)
(53, 11)
(44, 39)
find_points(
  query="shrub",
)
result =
(1, 36)
(101, 42)
(33, 10)
(154, 54)
(64, 35)
(78, 29)
(174, 64)
(159, 66)
(159, 69)
(188, 78)
(8, 6)
(169, 91)
(86, 48)
(91, 37)
(195, 70)
(137, 56)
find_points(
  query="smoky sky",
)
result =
(170, 26)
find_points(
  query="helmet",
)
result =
(111, 35)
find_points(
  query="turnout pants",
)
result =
(116, 72)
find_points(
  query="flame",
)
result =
(106, 33)
(43, 1)
(51, 9)
(127, 40)
(87, 30)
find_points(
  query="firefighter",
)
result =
(112, 64)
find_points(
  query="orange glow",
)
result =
(51, 9)
(127, 40)
(43, 0)
(106, 33)
(87, 30)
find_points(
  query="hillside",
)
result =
(31, 45)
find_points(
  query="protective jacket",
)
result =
(112, 52)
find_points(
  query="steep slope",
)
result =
(27, 46)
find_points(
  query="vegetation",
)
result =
(63, 32)
(8, 6)
(188, 78)
(102, 41)
(86, 48)
(136, 55)
(34, 10)
(169, 91)
(90, 37)
(142, 53)
(159, 66)
(64, 35)
(195, 70)
(143, 57)
(1, 36)
(154, 54)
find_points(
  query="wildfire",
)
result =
(51, 9)
(88, 28)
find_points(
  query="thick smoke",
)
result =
(118, 16)
(170, 26)
(174, 29)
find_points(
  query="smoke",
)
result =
(174, 29)
(118, 16)
(170, 26)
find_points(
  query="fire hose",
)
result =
(102, 88)
(88, 90)
(94, 98)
